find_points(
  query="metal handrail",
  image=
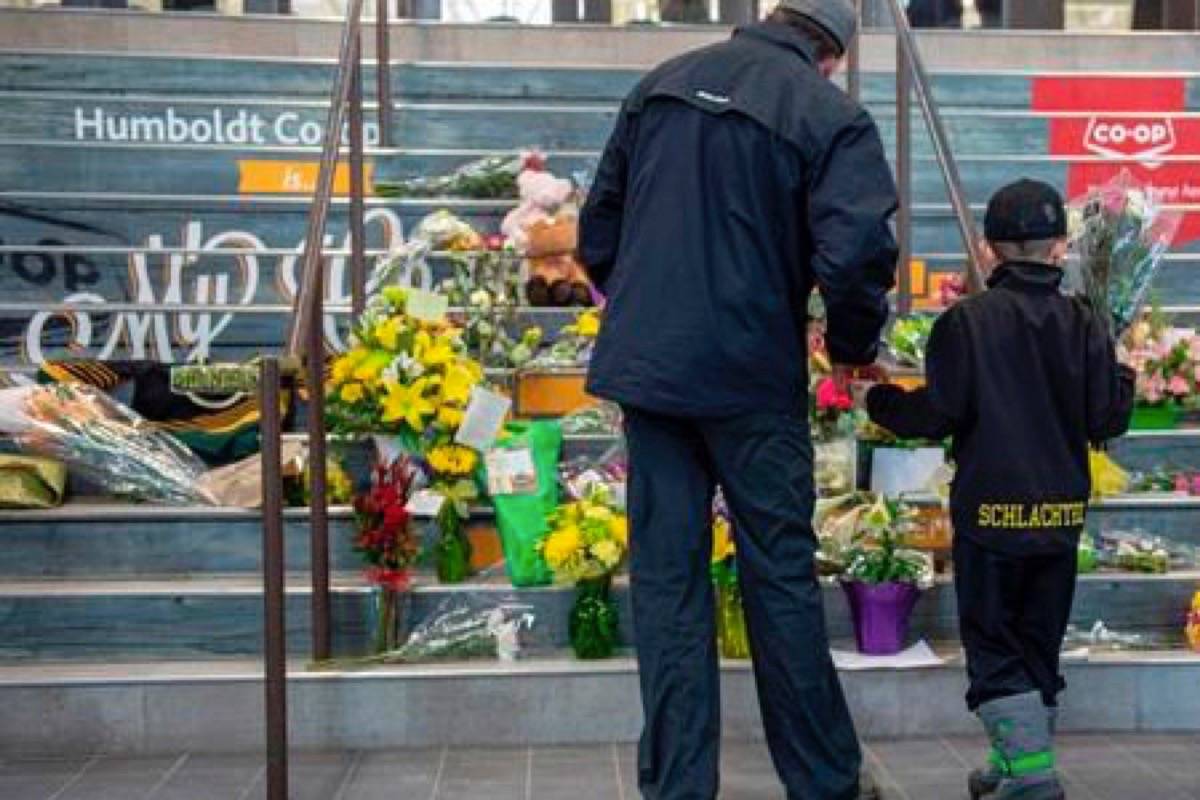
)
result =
(910, 65)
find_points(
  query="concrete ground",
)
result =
(1095, 767)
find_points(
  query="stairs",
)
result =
(137, 629)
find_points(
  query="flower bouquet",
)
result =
(586, 545)
(384, 540)
(411, 379)
(574, 344)
(1167, 362)
(486, 288)
(732, 638)
(105, 441)
(1119, 235)
(483, 179)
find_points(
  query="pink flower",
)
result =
(1178, 386)
(1152, 389)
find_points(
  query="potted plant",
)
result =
(882, 578)
(586, 545)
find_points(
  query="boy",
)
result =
(1023, 378)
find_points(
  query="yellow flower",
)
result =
(561, 547)
(450, 417)
(387, 333)
(344, 366)
(620, 530)
(372, 366)
(453, 459)
(608, 553)
(722, 540)
(352, 393)
(456, 388)
(438, 352)
(588, 324)
(396, 295)
(407, 404)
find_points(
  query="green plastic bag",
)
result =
(521, 518)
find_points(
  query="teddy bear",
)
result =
(544, 228)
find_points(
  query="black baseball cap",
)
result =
(1025, 211)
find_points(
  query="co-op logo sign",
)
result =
(1139, 138)
(211, 126)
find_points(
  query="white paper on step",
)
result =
(918, 656)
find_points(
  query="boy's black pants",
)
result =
(1013, 613)
(763, 462)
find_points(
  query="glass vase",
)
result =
(389, 619)
(453, 549)
(732, 639)
(593, 624)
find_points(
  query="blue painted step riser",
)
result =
(195, 77)
(202, 626)
(428, 127)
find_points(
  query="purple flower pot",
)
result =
(881, 613)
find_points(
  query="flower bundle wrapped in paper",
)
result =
(1119, 235)
(106, 442)
(484, 178)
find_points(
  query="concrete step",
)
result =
(205, 707)
(210, 616)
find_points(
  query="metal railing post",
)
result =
(854, 58)
(274, 638)
(319, 214)
(904, 217)
(383, 74)
(358, 244)
(322, 620)
(941, 146)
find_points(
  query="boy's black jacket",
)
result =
(1023, 378)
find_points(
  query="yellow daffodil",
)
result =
(453, 459)
(352, 392)
(450, 417)
(407, 404)
(561, 547)
(457, 385)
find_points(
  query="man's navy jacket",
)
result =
(737, 178)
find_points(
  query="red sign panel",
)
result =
(1131, 121)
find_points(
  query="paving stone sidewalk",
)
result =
(1096, 767)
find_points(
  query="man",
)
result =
(935, 13)
(737, 179)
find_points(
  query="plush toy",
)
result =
(545, 227)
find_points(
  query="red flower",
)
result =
(831, 398)
(395, 516)
(398, 580)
